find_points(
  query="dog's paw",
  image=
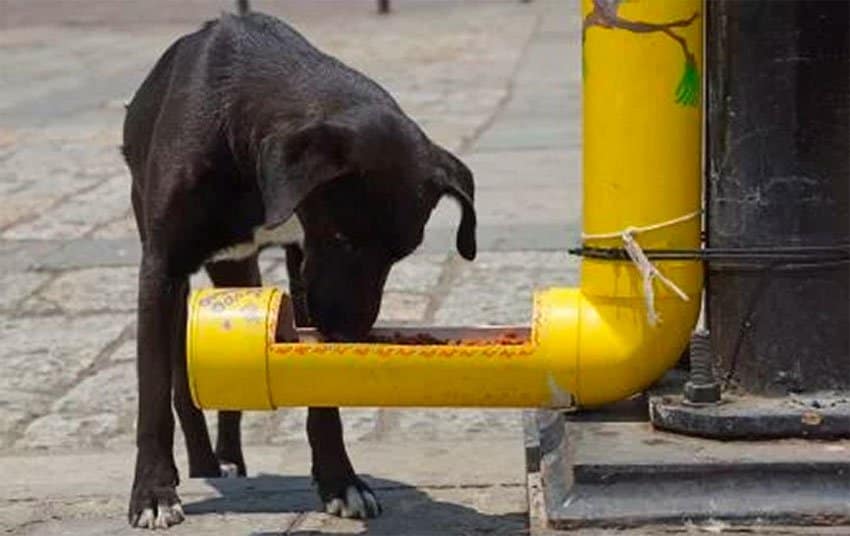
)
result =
(229, 470)
(164, 517)
(159, 508)
(231, 464)
(356, 500)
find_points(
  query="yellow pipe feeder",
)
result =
(586, 346)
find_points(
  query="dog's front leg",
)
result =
(297, 289)
(154, 502)
(341, 490)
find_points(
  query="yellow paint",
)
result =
(227, 335)
(589, 345)
(641, 167)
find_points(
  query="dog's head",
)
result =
(363, 184)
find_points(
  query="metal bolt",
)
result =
(702, 388)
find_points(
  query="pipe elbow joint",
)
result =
(597, 340)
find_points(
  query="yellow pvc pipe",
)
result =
(589, 345)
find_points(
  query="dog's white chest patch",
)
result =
(288, 232)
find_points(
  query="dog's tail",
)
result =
(243, 7)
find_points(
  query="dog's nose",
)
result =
(337, 324)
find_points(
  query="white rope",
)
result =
(647, 270)
(644, 229)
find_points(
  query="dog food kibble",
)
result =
(505, 339)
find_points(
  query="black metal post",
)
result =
(778, 179)
(779, 176)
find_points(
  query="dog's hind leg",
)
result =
(202, 461)
(228, 445)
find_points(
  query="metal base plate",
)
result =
(613, 469)
(825, 416)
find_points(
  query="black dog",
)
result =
(243, 135)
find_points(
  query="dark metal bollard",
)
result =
(778, 195)
(779, 177)
(779, 146)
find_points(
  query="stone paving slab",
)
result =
(43, 357)
(427, 512)
(465, 488)
(502, 285)
(96, 289)
(518, 134)
(22, 256)
(531, 169)
(476, 462)
(87, 253)
(18, 285)
(75, 218)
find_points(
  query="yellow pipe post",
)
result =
(589, 345)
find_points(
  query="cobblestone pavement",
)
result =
(497, 81)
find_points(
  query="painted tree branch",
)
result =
(605, 15)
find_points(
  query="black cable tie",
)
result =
(815, 256)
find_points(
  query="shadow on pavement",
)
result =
(407, 510)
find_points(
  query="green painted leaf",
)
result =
(687, 92)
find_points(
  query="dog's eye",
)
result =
(343, 241)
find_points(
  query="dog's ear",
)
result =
(455, 180)
(290, 166)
